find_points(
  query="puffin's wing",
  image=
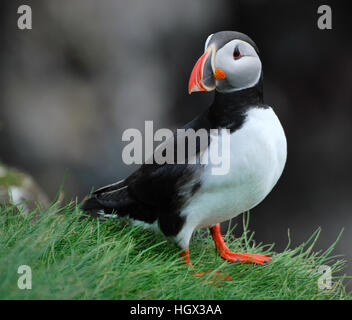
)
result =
(110, 187)
(155, 185)
(160, 184)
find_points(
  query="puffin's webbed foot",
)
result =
(226, 254)
(245, 257)
(185, 256)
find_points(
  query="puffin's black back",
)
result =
(153, 191)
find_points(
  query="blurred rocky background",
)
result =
(19, 188)
(90, 69)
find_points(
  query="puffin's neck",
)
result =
(229, 109)
(238, 99)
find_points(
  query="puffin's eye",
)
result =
(236, 53)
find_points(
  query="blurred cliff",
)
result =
(90, 69)
(19, 188)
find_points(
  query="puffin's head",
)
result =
(230, 63)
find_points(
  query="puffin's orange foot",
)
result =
(185, 257)
(217, 280)
(246, 257)
(232, 256)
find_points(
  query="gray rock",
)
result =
(19, 188)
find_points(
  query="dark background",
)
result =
(89, 69)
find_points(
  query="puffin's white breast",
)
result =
(257, 158)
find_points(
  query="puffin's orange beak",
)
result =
(202, 76)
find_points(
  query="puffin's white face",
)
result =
(233, 67)
(241, 66)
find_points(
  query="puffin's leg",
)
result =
(185, 256)
(183, 239)
(226, 254)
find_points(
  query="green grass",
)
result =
(75, 258)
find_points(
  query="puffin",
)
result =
(178, 198)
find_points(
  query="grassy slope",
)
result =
(73, 258)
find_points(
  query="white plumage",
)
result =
(257, 159)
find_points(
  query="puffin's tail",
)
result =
(93, 208)
(108, 200)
